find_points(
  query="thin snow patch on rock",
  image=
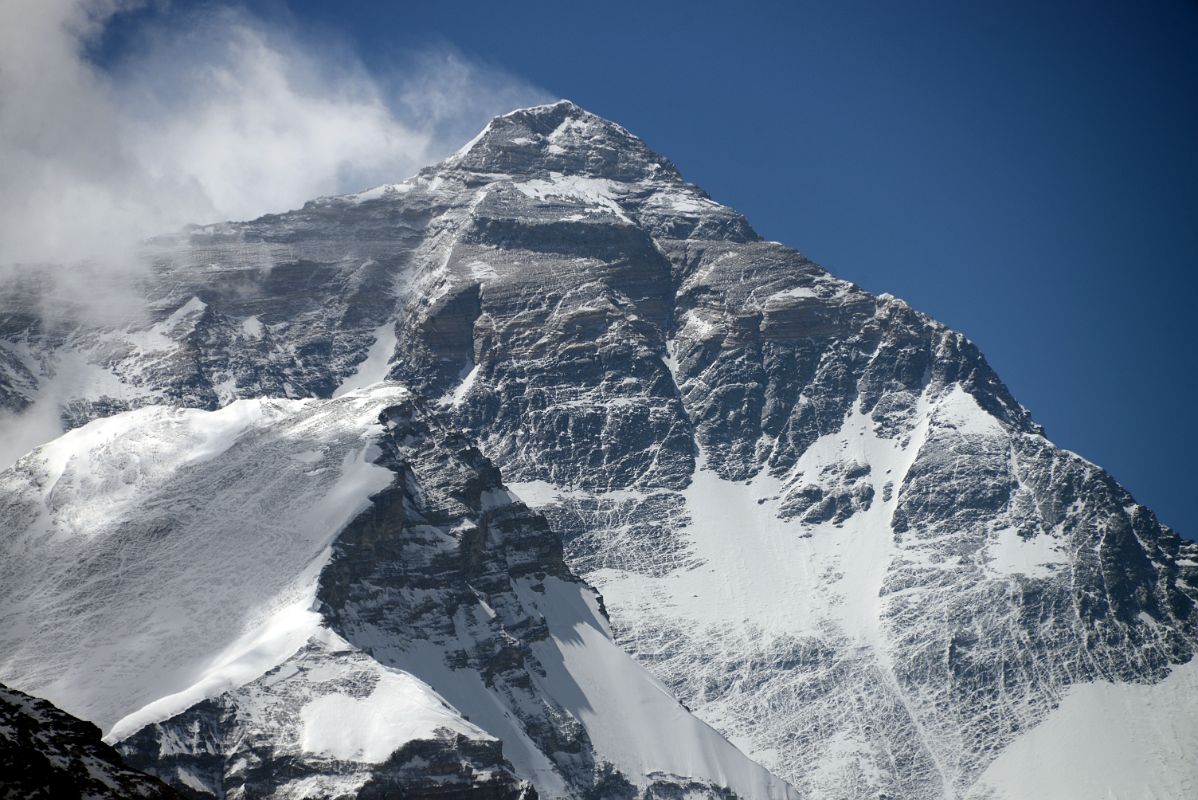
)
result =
(380, 192)
(958, 409)
(189, 309)
(400, 709)
(252, 327)
(593, 192)
(694, 326)
(455, 398)
(1036, 557)
(373, 369)
(481, 270)
(535, 493)
(682, 201)
(463, 391)
(796, 293)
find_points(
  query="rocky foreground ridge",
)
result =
(46, 754)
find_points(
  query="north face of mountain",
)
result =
(46, 754)
(817, 515)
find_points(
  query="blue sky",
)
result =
(1025, 172)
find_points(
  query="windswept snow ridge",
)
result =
(163, 553)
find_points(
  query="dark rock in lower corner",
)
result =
(47, 754)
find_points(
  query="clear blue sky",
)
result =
(1026, 172)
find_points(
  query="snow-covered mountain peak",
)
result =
(560, 137)
(816, 515)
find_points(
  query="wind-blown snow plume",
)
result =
(206, 115)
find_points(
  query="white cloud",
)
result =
(211, 115)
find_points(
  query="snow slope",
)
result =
(188, 580)
(749, 581)
(157, 553)
(652, 733)
(1107, 740)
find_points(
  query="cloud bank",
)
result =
(206, 115)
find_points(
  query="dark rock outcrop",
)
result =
(46, 754)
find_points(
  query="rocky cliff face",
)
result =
(46, 754)
(815, 514)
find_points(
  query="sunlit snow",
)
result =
(143, 574)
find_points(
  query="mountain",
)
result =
(816, 515)
(46, 754)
